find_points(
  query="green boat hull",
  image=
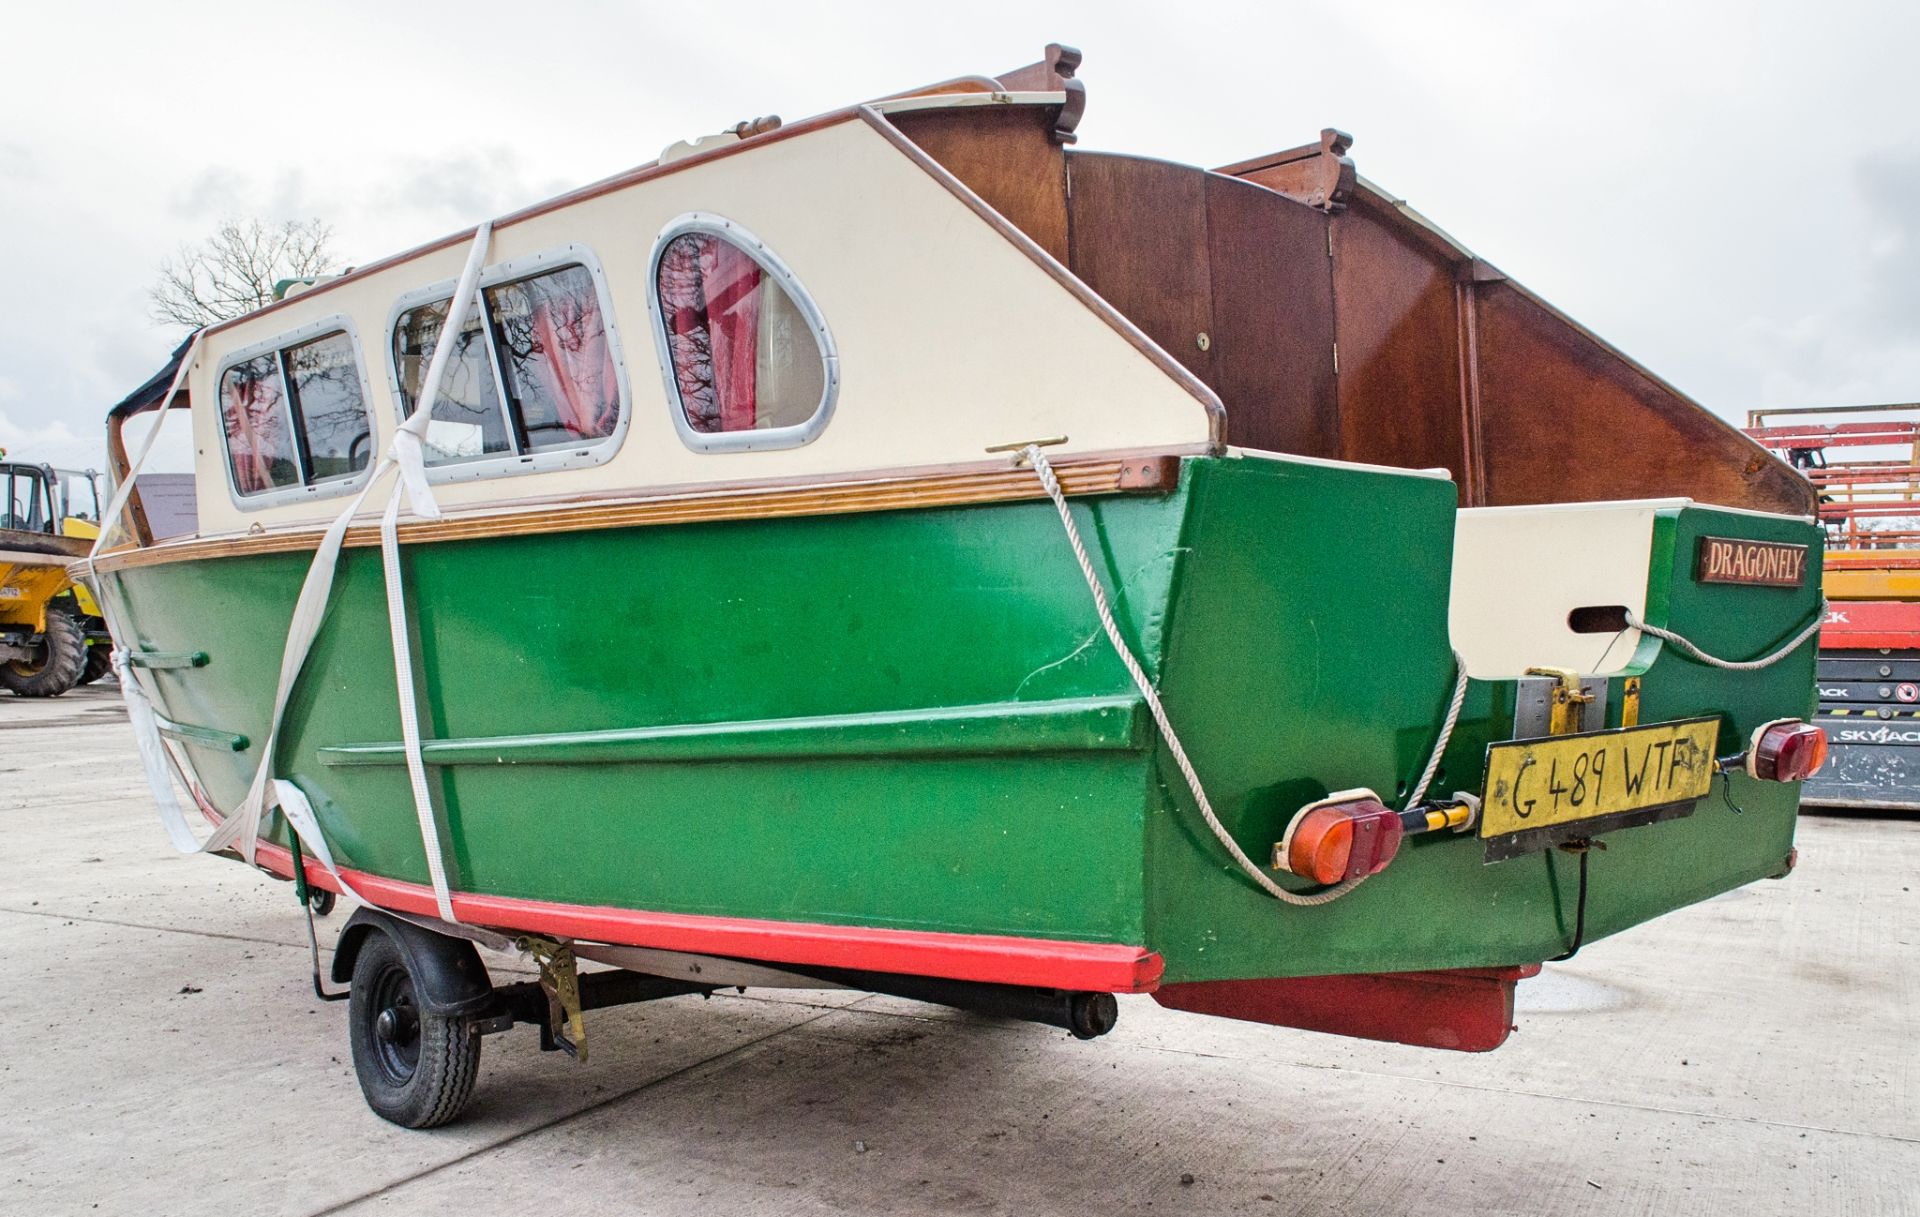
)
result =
(909, 720)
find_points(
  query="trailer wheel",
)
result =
(416, 1069)
(57, 663)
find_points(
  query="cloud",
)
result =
(212, 192)
(1890, 188)
(463, 187)
(48, 441)
(18, 164)
(1855, 338)
(221, 191)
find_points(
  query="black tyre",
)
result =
(58, 660)
(416, 1069)
(99, 663)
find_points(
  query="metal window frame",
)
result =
(770, 263)
(306, 490)
(520, 461)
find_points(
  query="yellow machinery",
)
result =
(51, 634)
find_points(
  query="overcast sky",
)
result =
(1728, 192)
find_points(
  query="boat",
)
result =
(903, 551)
(1864, 462)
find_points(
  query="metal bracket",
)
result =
(309, 902)
(1020, 447)
(1560, 704)
(560, 979)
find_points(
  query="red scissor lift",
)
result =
(1865, 463)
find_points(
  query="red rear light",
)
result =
(1787, 751)
(1341, 837)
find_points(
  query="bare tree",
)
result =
(234, 271)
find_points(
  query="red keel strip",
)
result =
(1096, 967)
(1466, 1009)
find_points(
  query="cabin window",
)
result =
(253, 404)
(534, 369)
(323, 388)
(294, 416)
(747, 358)
(468, 420)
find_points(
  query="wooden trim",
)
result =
(958, 84)
(841, 494)
(1321, 175)
(1473, 470)
(1208, 399)
(1094, 967)
(1054, 74)
(118, 462)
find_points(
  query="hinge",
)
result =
(1336, 359)
(1329, 240)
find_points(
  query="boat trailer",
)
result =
(420, 1000)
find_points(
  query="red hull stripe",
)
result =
(1096, 967)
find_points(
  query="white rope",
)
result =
(1732, 665)
(1051, 483)
(1446, 730)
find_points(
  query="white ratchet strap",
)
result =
(242, 828)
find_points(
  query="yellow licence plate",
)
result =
(1541, 784)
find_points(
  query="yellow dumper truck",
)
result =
(51, 634)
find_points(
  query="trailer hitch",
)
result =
(564, 1026)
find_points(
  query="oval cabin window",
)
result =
(748, 360)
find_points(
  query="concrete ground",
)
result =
(162, 1053)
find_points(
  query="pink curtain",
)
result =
(710, 295)
(732, 281)
(578, 370)
(246, 401)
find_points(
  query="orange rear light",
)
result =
(1343, 836)
(1787, 750)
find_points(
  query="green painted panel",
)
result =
(891, 614)
(912, 719)
(1348, 690)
